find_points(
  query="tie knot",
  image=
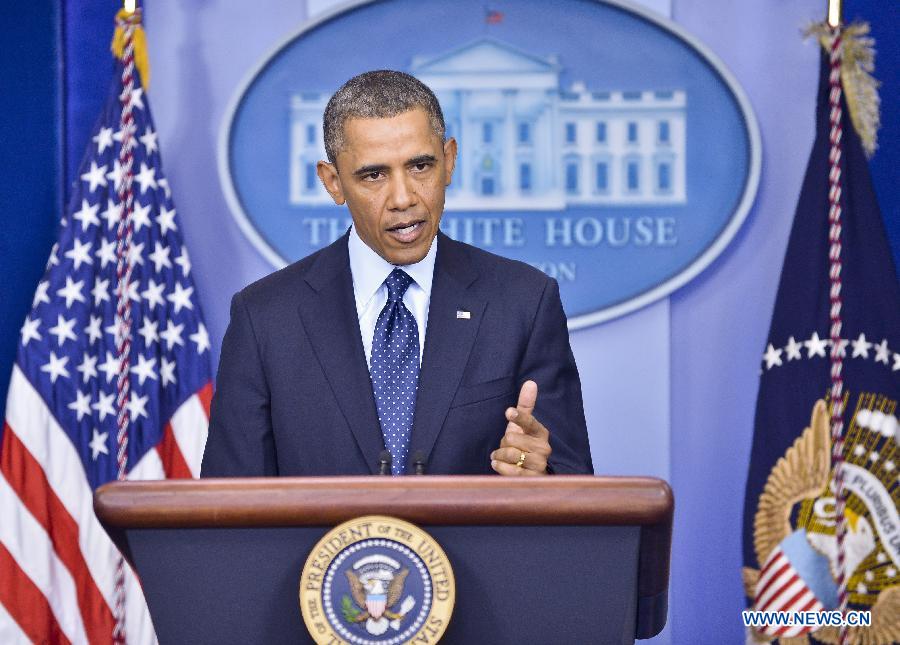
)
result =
(397, 283)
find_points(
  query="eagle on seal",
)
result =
(372, 597)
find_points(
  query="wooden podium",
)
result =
(561, 559)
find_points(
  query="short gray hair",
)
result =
(378, 94)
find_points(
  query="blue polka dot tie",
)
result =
(395, 369)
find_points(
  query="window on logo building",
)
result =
(310, 134)
(570, 133)
(601, 132)
(602, 183)
(487, 132)
(571, 177)
(525, 177)
(311, 177)
(664, 132)
(524, 132)
(487, 185)
(632, 176)
(632, 132)
(664, 177)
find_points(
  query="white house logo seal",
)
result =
(377, 580)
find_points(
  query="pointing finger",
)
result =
(527, 397)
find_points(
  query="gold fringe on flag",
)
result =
(860, 87)
(141, 61)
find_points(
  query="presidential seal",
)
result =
(794, 528)
(377, 580)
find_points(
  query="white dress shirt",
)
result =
(369, 272)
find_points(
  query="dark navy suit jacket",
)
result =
(294, 395)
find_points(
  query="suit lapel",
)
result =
(448, 342)
(329, 318)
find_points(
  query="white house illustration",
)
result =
(524, 142)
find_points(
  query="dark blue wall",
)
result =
(30, 160)
(55, 71)
(884, 17)
(88, 31)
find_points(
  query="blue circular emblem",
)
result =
(376, 581)
(377, 591)
(614, 151)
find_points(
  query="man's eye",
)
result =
(372, 176)
(421, 167)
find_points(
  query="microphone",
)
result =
(384, 463)
(419, 462)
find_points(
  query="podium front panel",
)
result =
(240, 585)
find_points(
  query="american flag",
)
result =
(493, 17)
(58, 568)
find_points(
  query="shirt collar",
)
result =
(369, 270)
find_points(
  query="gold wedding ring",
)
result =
(521, 462)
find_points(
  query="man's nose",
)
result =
(402, 193)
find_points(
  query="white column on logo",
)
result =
(467, 133)
(556, 165)
(510, 187)
(296, 162)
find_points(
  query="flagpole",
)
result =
(835, 13)
(835, 237)
(124, 269)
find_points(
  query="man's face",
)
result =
(392, 174)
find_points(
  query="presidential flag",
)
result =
(821, 529)
(111, 381)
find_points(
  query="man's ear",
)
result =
(449, 159)
(329, 177)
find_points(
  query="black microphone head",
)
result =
(418, 460)
(384, 463)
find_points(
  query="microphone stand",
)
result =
(384, 463)
(419, 462)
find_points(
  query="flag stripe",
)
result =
(27, 479)
(48, 444)
(771, 595)
(789, 594)
(173, 462)
(800, 600)
(138, 624)
(10, 631)
(775, 575)
(31, 550)
(775, 564)
(205, 393)
(813, 604)
(808, 602)
(190, 426)
(150, 467)
(25, 614)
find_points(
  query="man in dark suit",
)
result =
(329, 361)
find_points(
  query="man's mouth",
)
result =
(407, 231)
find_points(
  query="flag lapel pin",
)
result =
(464, 315)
